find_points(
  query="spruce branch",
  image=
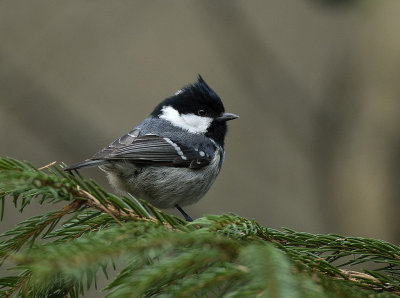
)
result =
(62, 253)
(27, 231)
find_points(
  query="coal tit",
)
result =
(173, 157)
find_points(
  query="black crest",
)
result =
(192, 98)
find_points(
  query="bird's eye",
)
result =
(201, 112)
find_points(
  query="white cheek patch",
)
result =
(189, 122)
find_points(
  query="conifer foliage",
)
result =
(94, 233)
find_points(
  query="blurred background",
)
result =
(316, 85)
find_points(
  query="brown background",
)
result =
(316, 86)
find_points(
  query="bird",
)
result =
(173, 156)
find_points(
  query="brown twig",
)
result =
(74, 205)
(96, 203)
(132, 214)
(47, 166)
(358, 277)
(21, 284)
(112, 211)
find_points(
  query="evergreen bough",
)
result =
(62, 253)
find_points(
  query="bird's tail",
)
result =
(84, 164)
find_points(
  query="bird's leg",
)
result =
(185, 215)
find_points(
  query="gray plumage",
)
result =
(169, 186)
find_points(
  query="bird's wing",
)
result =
(152, 149)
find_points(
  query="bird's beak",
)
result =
(226, 117)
